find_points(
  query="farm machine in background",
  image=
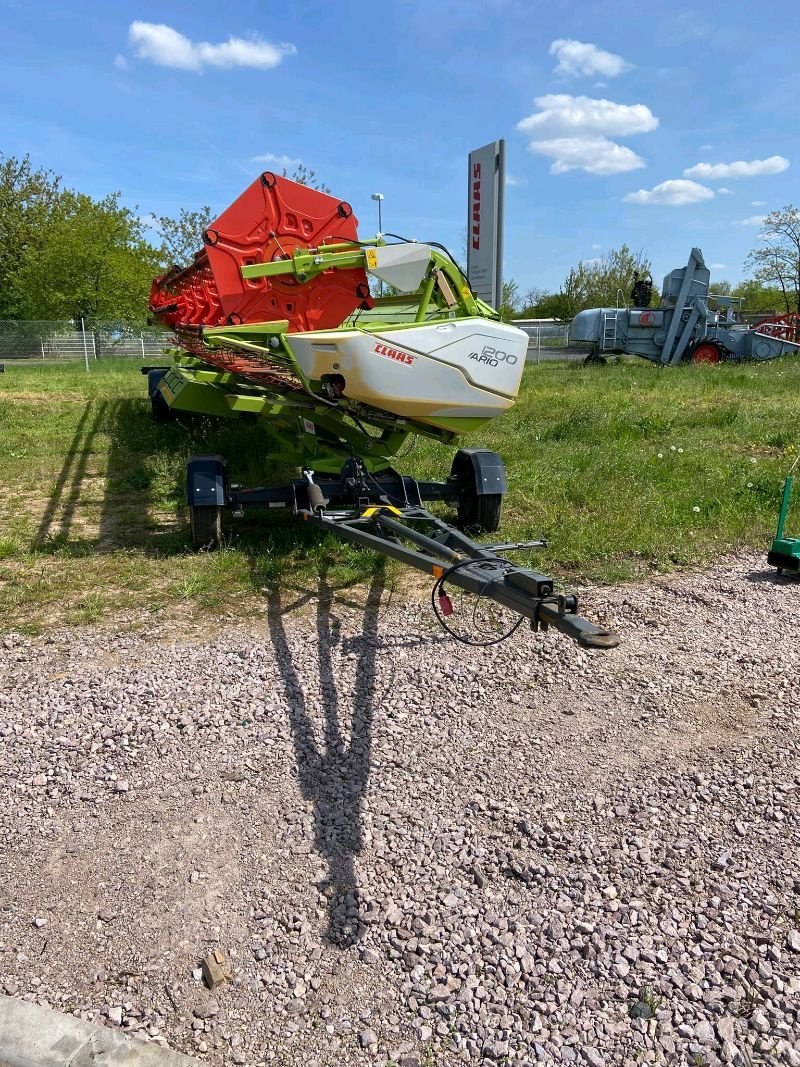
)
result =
(682, 328)
(275, 320)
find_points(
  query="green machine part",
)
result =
(308, 429)
(785, 551)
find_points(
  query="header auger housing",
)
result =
(275, 319)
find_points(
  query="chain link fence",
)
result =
(548, 340)
(67, 341)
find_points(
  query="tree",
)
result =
(531, 301)
(758, 298)
(607, 281)
(181, 238)
(305, 176)
(27, 198)
(777, 262)
(509, 301)
(91, 261)
(603, 282)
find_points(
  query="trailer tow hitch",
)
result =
(454, 559)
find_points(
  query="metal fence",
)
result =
(69, 341)
(548, 340)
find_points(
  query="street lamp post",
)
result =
(379, 197)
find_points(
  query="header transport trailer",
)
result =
(682, 328)
(276, 320)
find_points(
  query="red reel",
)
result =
(271, 218)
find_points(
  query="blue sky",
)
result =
(600, 105)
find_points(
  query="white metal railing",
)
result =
(67, 341)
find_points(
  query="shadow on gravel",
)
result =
(333, 774)
(771, 577)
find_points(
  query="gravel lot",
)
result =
(410, 850)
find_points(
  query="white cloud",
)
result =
(513, 181)
(754, 168)
(561, 115)
(595, 261)
(276, 161)
(575, 131)
(120, 62)
(718, 266)
(705, 147)
(758, 203)
(753, 220)
(166, 47)
(596, 155)
(595, 247)
(725, 192)
(576, 58)
(674, 193)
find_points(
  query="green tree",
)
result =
(776, 263)
(92, 261)
(758, 298)
(27, 199)
(603, 282)
(510, 301)
(607, 281)
(182, 238)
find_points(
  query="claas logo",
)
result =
(392, 353)
(476, 206)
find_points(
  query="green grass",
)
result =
(628, 469)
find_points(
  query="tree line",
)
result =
(67, 255)
(607, 281)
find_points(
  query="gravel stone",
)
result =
(368, 1038)
(593, 1057)
(398, 859)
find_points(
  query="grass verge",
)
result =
(627, 469)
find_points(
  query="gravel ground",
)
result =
(409, 850)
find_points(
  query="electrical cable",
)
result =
(438, 589)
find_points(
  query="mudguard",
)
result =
(206, 481)
(483, 468)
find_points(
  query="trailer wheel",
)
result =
(479, 514)
(707, 352)
(206, 523)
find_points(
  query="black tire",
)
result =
(160, 409)
(206, 523)
(479, 514)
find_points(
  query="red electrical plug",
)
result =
(445, 604)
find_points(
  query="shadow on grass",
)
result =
(333, 770)
(143, 501)
(59, 515)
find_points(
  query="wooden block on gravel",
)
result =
(214, 969)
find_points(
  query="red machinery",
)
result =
(272, 218)
(786, 326)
